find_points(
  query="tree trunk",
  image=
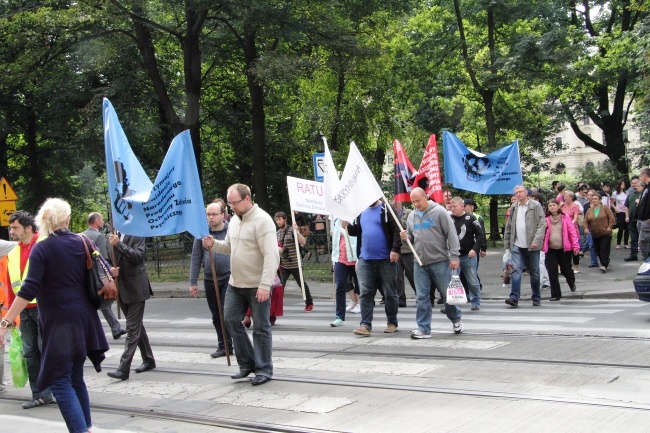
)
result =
(337, 108)
(37, 193)
(258, 120)
(495, 233)
(193, 78)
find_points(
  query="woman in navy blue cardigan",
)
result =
(70, 326)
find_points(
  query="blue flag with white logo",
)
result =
(170, 205)
(496, 173)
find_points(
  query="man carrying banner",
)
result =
(524, 234)
(254, 258)
(289, 256)
(432, 232)
(378, 247)
(216, 212)
(134, 290)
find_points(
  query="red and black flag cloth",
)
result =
(428, 176)
(404, 173)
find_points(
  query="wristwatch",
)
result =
(4, 323)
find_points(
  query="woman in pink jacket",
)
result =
(560, 242)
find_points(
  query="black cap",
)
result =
(469, 201)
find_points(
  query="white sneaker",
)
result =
(356, 309)
(415, 331)
(350, 306)
(458, 327)
(419, 335)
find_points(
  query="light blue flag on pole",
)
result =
(496, 173)
(172, 204)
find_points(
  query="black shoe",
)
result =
(119, 334)
(146, 366)
(537, 304)
(631, 259)
(259, 380)
(440, 301)
(403, 305)
(573, 288)
(242, 374)
(118, 375)
(592, 266)
(38, 402)
(512, 302)
(219, 353)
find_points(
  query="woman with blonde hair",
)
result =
(71, 329)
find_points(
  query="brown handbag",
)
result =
(99, 282)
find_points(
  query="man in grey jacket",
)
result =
(218, 226)
(523, 237)
(94, 233)
(431, 230)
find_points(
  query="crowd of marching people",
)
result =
(248, 257)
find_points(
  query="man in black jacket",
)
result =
(471, 239)
(643, 215)
(378, 249)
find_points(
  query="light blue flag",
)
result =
(172, 204)
(496, 173)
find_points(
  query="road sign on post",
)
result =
(319, 164)
(8, 199)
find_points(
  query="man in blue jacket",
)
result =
(378, 248)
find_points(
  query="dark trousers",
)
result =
(213, 305)
(634, 238)
(136, 336)
(343, 275)
(404, 267)
(561, 258)
(32, 345)
(622, 229)
(602, 246)
(284, 276)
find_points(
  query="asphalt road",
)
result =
(579, 365)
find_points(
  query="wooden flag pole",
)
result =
(399, 224)
(213, 266)
(295, 239)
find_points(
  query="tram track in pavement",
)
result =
(460, 392)
(192, 419)
(428, 356)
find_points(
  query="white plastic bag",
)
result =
(455, 292)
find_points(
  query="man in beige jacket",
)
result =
(254, 258)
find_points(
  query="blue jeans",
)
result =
(468, 267)
(440, 274)
(368, 272)
(213, 305)
(342, 274)
(524, 258)
(256, 358)
(32, 349)
(72, 397)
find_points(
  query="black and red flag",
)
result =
(404, 173)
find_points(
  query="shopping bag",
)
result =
(455, 292)
(16, 360)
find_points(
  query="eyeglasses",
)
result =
(231, 204)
